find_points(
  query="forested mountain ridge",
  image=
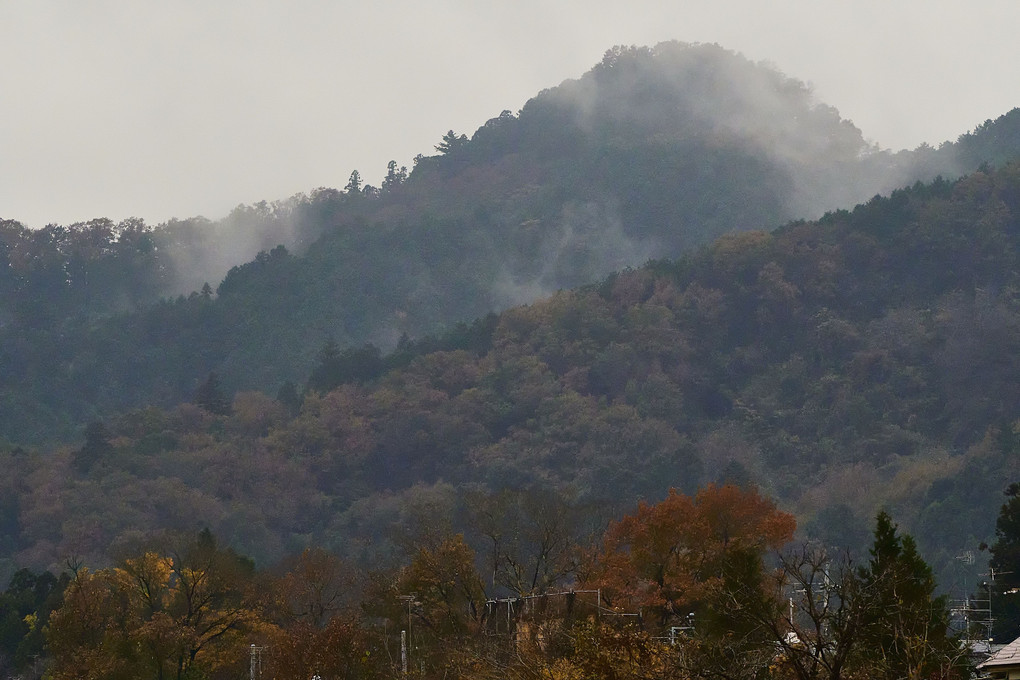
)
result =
(865, 360)
(651, 153)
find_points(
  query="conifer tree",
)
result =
(353, 187)
(97, 446)
(906, 632)
(210, 396)
(1005, 564)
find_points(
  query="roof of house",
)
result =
(1007, 656)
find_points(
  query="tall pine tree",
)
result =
(1005, 565)
(906, 633)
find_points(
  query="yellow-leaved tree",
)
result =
(186, 611)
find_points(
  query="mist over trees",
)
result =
(860, 362)
(347, 386)
(651, 153)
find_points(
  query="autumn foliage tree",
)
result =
(179, 613)
(319, 629)
(447, 588)
(189, 609)
(672, 558)
(342, 648)
(535, 536)
(438, 599)
(664, 561)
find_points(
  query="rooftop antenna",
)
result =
(976, 610)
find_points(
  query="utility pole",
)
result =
(256, 662)
(403, 653)
(992, 573)
(405, 635)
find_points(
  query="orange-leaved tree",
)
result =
(672, 558)
(320, 628)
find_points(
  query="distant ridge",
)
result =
(653, 152)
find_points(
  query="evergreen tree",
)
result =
(25, 609)
(326, 375)
(394, 177)
(210, 396)
(451, 143)
(97, 446)
(352, 365)
(1005, 564)
(906, 632)
(353, 184)
(288, 396)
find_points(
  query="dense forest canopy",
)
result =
(863, 361)
(651, 153)
(361, 376)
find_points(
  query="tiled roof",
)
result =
(1007, 656)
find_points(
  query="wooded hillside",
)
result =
(866, 360)
(653, 152)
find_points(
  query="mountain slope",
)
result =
(653, 152)
(866, 360)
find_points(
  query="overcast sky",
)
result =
(177, 108)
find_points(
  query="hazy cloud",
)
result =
(183, 108)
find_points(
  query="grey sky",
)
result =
(179, 108)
